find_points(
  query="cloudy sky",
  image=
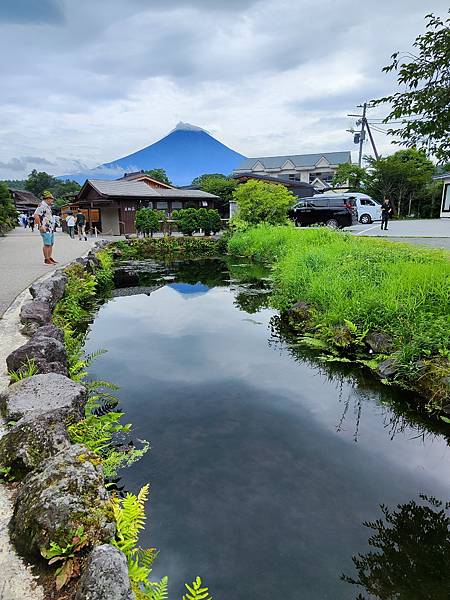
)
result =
(85, 82)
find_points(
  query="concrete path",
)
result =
(413, 228)
(21, 260)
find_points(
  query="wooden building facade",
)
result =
(111, 206)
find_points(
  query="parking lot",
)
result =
(429, 232)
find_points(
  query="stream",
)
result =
(265, 462)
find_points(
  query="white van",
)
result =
(368, 209)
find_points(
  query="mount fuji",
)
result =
(185, 153)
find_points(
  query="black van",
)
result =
(334, 212)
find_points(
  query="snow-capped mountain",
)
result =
(186, 152)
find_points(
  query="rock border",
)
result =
(39, 451)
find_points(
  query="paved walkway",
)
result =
(21, 260)
(412, 228)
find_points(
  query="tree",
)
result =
(147, 221)
(209, 220)
(261, 202)
(38, 182)
(187, 220)
(412, 561)
(8, 212)
(423, 110)
(159, 175)
(62, 189)
(217, 184)
(350, 176)
(402, 176)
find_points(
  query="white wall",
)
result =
(110, 220)
(446, 199)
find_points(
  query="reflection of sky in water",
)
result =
(253, 487)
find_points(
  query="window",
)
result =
(446, 198)
(325, 176)
(204, 203)
(365, 202)
(177, 205)
(162, 205)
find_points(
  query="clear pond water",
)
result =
(265, 462)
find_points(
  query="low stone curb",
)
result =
(63, 484)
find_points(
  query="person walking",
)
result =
(31, 222)
(43, 218)
(70, 220)
(386, 212)
(81, 225)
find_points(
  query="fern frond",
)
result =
(196, 591)
(158, 591)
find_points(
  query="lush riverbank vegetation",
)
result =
(354, 289)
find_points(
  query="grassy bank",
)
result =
(354, 287)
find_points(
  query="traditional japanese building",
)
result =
(111, 206)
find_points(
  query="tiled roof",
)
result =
(299, 160)
(139, 189)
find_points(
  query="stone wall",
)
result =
(60, 485)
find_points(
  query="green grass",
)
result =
(380, 286)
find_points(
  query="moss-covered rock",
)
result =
(42, 393)
(32, 440)
(105, 576)
(65, 493)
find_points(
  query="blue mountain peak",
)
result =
(185, 153)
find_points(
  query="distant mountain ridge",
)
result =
(185, 153)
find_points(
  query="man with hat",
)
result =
(44, 220)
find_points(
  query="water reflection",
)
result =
(255, 475)
(411, 560)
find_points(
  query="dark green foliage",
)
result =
(8, 213)
(37, 182)
(187, 220)
(403, 177)
(350, 175)
(168, 248)
(159, 175)
(423, 107)
(209, 220)
(411, 560)
(148, 221)
(217, 184)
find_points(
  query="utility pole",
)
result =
(377, 156)
(362, 135)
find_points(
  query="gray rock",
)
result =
(49, 331)
(106, 576)
(65, 493)
(300, 310)
(45, 351)
(50, 290)
(387, 369)
(379, 343)
(32, 440)
(43, 393)
(34, 314)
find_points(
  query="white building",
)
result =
(316, 169)
(445, 206)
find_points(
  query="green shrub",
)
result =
(262, 202)
(187, 220)
(148, 221)
(209, 220)
(8, 212)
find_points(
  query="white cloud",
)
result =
(90, 82)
